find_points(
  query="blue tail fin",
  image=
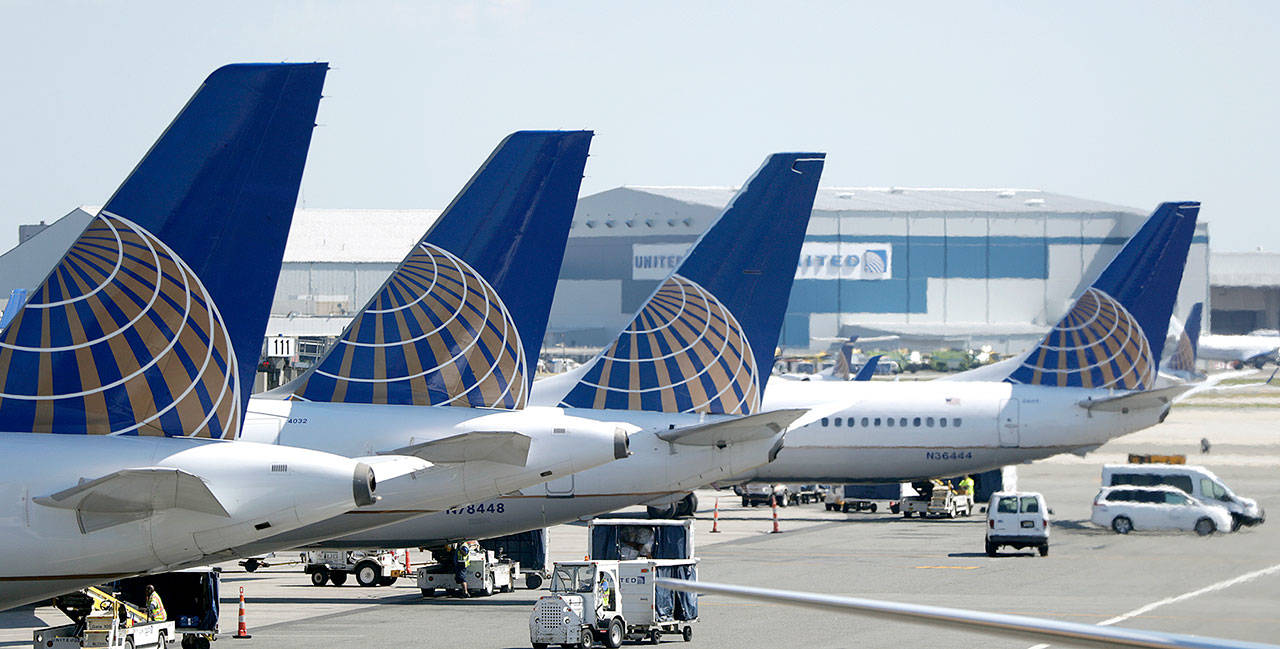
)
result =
(1114, 334)
(704, 341)
(1183, 358)
(153, 320)
(461, 320)
(868, 369)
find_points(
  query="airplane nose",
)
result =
(363, 484)
(621, 444)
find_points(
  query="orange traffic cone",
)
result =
(242, 632)
(715, 517)
(407, 567)
(773, 503)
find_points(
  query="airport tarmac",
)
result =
(1226, 585)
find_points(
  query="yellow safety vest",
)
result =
(155, 608)
(966, 486)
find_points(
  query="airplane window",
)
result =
(890, 422)
(825, 421)
(837, 422)
(864, 422)
(928, 422)
(955, 421)
(877, 421)
(902, 422)
(942, 421)
(916, 422)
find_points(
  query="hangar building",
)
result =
(938, 267)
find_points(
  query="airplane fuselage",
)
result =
(655, 470)
(899, 431)
(561, 444)
(264, 490)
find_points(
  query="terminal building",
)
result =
(939, 268)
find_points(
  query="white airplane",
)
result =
(685, 376)
(999, 624)
(437, 365)
(1092, 378)
(1256, 349)
(126, 355)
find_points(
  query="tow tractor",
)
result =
(613, 601)
(371, 567)
(486, 573)
(101, 619)
(938, 500)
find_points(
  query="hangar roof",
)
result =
(910, 199)
(1244, 269)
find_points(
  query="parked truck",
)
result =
(370, 567)
(485, 573)
(612, 596)
(866, 497)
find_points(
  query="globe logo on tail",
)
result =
(122, 338)
(1098, 344)
(436, 334)
(684, 352)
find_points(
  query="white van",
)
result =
(1018, 519)
(1195, 480)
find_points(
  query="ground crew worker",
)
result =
(461, 555)
(155, 607)
(966, 486)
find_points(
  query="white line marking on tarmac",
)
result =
(1142, 610)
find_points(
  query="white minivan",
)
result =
(1194, 480)
(1127, 508)
(1018, 519)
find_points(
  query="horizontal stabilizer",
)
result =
(739, 429)
(996, 624)
(502, 446)
(1158, 398)
(132, 494)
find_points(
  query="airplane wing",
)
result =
(1213, 381)
(1157, 398)
(1015, 626)
(501, 446)
(133, 494)
(738, 429)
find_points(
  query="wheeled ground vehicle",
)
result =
(486, 573)
(941, 501)
(1162, 507)
(611, 602)
(370, 567)
(102, 619)
(1018, 519)
(762, 493)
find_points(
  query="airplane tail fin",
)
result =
(844, 362)
(704, 340)
(868, 369)
(460, 322)
(152, 322)
(1114, 334)
(1183, 358)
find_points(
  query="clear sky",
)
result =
(1128, 102)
